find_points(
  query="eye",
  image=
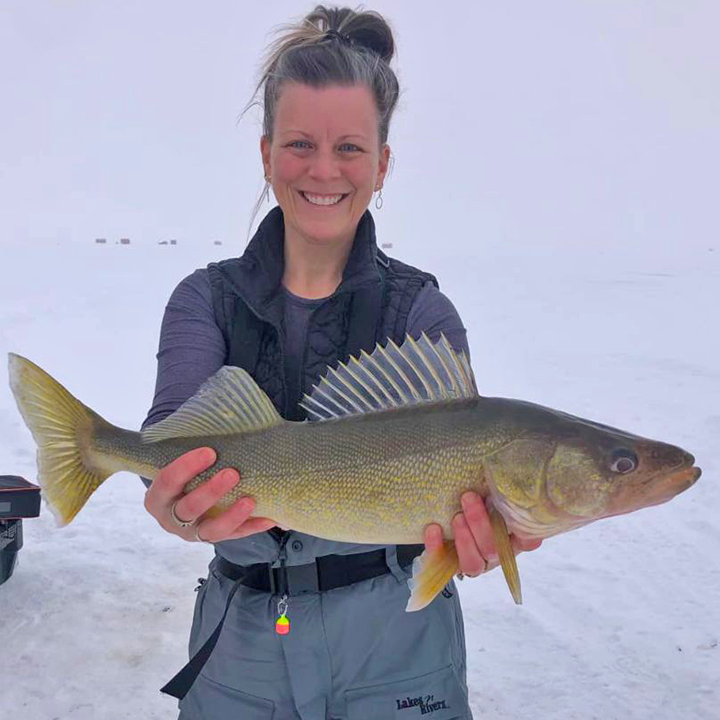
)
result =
(298, 143)
(352, 147)
(623, 462)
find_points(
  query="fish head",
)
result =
(563, 472)
(593, 479)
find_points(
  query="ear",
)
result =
(265, 154)
(383, 165)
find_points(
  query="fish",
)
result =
(391, 442)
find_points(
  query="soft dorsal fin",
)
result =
(416, 372)
(228, 402)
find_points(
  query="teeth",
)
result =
(320, 200)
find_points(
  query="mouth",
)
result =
(322, 201)
(685, 478)
(661, 488)
(674, 483)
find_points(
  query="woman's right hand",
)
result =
(167, 488)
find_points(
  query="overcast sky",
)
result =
(558, 123)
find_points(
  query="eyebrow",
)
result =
(307, 135)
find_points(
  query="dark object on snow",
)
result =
(101, 241)
(18, 499)
(124, 241)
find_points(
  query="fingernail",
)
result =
(230, 476)
(459, 519)
(208, 455)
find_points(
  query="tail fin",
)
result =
(68, 469)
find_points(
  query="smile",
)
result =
(324, 200)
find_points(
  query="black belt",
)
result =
(326, 573)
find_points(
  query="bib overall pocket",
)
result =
(435, 696)
(210, 700)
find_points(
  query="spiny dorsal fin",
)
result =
(228, 402)
(417, 372)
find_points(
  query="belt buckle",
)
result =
(302, 579)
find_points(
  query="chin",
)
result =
(325, 232)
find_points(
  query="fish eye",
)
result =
(623, 462)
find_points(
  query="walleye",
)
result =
(400, 435)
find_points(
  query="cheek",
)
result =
(575, 485)
(362, 178)
(287, 167)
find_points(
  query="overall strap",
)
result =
(179, 685)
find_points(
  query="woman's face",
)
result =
(325, 159)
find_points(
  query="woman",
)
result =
(311, 289)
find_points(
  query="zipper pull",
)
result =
(282, 626)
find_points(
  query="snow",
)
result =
(576, 238)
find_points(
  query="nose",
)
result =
(324, 165)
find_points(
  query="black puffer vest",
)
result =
(370, 305)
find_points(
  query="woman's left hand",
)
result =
(474, 539)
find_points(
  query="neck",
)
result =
(314, 269)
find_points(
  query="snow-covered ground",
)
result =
(620, 619)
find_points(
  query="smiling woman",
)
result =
(311, 289)
(324, 159)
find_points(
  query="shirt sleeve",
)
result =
(191, 347)
(433, 313)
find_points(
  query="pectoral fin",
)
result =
(506, 553)
(431, 573)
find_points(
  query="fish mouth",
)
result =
(677, 481)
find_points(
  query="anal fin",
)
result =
(432, 571)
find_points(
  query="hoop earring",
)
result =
(379, 200)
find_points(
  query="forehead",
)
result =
(331, 111)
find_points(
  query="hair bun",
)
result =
(376, 37)
(367, 29)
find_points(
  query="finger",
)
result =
(171, 479)
(251, 526)
(470, 559)
(477, 520)
(197, 502)
(524, 544)
(228, 522)
(433, 537)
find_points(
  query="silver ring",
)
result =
(198, 538)
(176, 519)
